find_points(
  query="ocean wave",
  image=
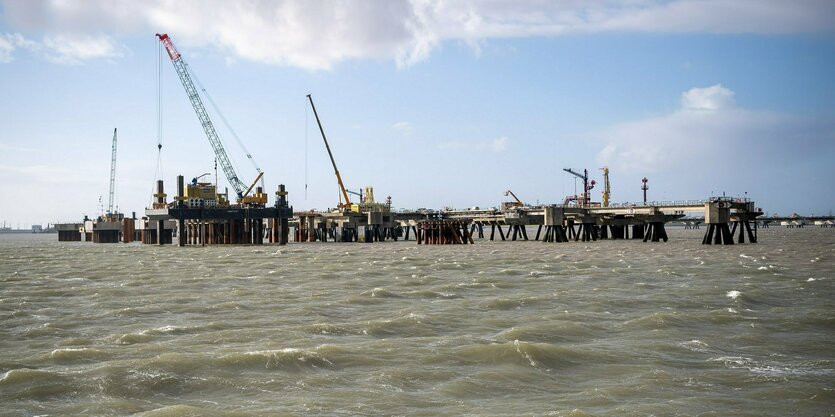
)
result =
(512, 303)
(543, 356)
(68, 355)
(433, 294)
(150, 334)
(292, 359)
(181, 411)
(329, 329)
(695, 345)
(411, 325)
(380, 293)
(659, 319)
(774, 370)
(26, 383)
(549, 332)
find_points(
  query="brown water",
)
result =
(609, 328)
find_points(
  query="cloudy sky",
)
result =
(435, 103)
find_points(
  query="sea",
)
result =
(606, 328)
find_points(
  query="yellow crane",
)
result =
(517, 203)
(366, 201)
(347, 203)
(606, 189)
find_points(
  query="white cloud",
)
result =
(496, 145)
(499, 144)
(7, 46)
(710, 146)
(67, 49)
(73, 49)
(710, 98)
(404, 128)
(319, 34)
(10, 42)
(708, 132)
(11, 148)
(46, 174)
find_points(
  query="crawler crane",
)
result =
(259, 198)
(367, 202)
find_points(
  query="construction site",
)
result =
(200, 214)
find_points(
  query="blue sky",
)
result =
(433, 103)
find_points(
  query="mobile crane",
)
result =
(241, 189)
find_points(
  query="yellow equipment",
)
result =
(517, 203)
(259, 198)
(368, 204)
(606, 189)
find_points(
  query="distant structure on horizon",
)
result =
(35, 228)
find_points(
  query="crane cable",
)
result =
(306, 112)
(158, 174)
(225, 122)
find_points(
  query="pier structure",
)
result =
(797, 221)
(554, 224)
(104, 230)
(346, 225)
(562, 223)
(108, 228)
(794, 222)
(720, 214)
(196, 222)
(149, 232)
(69, 232)
(443, 232)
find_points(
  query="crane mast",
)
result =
(587, 186)
(335, 170)
(606, 188)
(203, 115)
(112, 175)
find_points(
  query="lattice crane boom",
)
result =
(607, 191)
(333, 162)
(112, 175)
(203, 115)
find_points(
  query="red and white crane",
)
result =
(180, 66)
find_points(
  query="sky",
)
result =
(434, 103)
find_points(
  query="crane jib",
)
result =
(203, 116)
(169, 46)
(112, 175)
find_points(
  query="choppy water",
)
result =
(609, 328)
